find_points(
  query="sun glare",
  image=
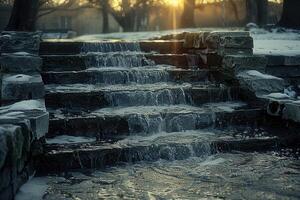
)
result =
(174, 3)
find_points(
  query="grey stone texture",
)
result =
(238, 63)
(216, 39)
(291, 111)
(21, 87)
(20, 63)
(278, 60)
(31, 112)
(21, 122)
(13, 139)
(11, 42)
(260, 84)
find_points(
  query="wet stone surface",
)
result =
(222, 176)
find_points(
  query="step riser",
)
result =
(68, 48)
(102, 99)
(77, 63)
(101, 158)
(116, 127)
(116, 77)
(125, 77)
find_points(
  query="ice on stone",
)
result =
(67, 139)
(260, 75)
(19, 78)
(34, 189)
(28, 105)
(278, 95)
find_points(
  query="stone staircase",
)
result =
(115, 102)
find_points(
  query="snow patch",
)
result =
(278, 96)
(34, 189)
(28, 105)
(66, 139)
(18, 78)
(22, 53)
(258, 74)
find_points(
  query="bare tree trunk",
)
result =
(187, 18)
(290, 17)
(262, 14)
(234, 9)
(23, 16)
(257, 11)
(251, 11)
(105, 19)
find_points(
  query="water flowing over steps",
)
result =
(83, 62)
(109, 123)
(125, 103)
(90, 96)
(69, 48)
(175, 146)
(121, 75)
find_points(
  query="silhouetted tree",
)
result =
(23, 16)
(290, 17)
(105, 10)
(188, 16)
(257, 11)
(25, 12)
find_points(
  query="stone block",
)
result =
(195, 40)
(15, 141)
(260, 84)
(291, 111)
(3, 148)
(280, 60)
(39, 121)
(238, 42)
(284, 71)
(238, 63)
(11, 42)
(21, 87)
(30, 115)
(229, 39)
(5, 177)
(20, 63)
(233, 51)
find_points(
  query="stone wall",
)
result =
(23, 116)
(263, 79)
(270, 81)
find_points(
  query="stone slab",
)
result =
(195, 40)
(30, 115)
(21, 87)
(284, 71)
(20, 63)
(239, 63)
(259, 83)
(239, 42)
(291, 111)
(11, 42)
(279, 60)
(228, 39)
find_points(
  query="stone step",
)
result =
(73, 47)
(118, 122)
(173, 146)
(122, 75)
(82, 62)
(89, 97)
